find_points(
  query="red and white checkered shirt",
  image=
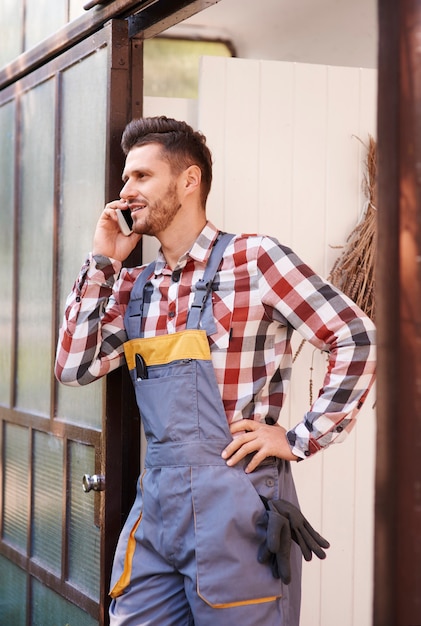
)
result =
(262, 292)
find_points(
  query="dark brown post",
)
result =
(397, 585)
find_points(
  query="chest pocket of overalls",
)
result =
(168, 397)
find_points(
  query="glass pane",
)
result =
(12, 594)
(11, 37)
(47, 500)
(7, 141)
(83, 183)
(84, 535)
(16, 490)
(35, 250)
(49, 609)
(43, 18)
(81, 405)
(171, 66)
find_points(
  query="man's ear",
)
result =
(192, 178)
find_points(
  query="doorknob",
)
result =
(96, 482)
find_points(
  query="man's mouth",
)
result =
(137, 207)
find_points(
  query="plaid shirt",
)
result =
(262, 292)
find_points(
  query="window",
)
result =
(171, 66)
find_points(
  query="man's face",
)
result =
(150, 190)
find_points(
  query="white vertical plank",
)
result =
(308, 233)
(212, 122)
(309, 161)
(275, 149)
(365, 461)
(368, 102)
(308, 475)
(367, 119)
(366, 429)
(342, 156)
(242, 145)
(342, 195)
(338, 522)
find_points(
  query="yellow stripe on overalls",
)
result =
(163, 349)
(229, 605)
(124, 579)
(126, 574)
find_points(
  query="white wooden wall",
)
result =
(288, 161)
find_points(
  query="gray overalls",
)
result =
(188, 551)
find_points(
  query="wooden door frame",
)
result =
(397, 580)
(121, 422)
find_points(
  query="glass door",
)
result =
(60, 162)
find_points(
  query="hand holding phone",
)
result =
(125, 221)
(113, 235)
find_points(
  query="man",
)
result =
(206, 332)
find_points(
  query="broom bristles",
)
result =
(354, 271)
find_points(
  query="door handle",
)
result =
(96, 482)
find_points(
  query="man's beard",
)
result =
(160, 213)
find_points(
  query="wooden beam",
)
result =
(397, 584)
(162, 15)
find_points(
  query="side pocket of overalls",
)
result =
(230, 524)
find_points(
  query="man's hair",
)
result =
(181, 145)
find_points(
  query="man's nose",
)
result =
(127, 191)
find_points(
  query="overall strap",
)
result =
(134, 312)
(141, 281)
(204, 285)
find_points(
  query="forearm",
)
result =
(350, 375)
(92, 332)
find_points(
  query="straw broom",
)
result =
(353, 272)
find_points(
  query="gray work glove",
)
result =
(286, 522)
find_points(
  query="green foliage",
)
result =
(171, 66)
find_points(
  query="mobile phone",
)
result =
(125, 221)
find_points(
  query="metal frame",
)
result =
(147, 16)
